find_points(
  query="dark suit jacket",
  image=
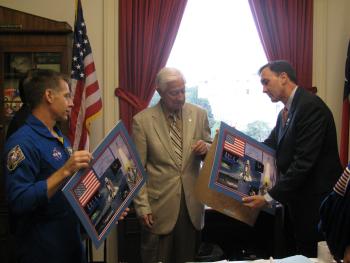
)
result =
(18, 120)
(306, 149)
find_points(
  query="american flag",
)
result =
(234, 145)
(342, 183)
(87, 188)
(84, 89)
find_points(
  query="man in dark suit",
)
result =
(306, 154)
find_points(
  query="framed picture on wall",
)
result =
(20, 63)
(242, 166)
(100, 193)
(48, 60)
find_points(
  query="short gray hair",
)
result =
(167, 75)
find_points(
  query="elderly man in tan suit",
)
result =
(172, 137)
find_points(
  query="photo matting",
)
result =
(242, 166)
(100, 193)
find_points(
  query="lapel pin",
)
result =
(287, 122)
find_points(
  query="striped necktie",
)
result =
(176, 139)
(284, 116)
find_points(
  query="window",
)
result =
(219, 52)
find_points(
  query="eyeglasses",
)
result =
(176, 92)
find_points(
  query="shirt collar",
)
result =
(167, 113)
(290, 99)
(38, 126)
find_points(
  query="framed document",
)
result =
(242, 166)
(100, 193)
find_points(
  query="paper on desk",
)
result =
(293, 259)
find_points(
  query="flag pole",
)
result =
(344, 139)
(76, 11)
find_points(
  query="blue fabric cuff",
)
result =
(41, 192)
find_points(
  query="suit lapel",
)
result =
(290, 115)
(161, 128)
(188, 130)
(284, 129)
(162, 131)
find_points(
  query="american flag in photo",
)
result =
(87, 188)
(234, 145)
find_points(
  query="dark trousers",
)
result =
(301, 224)
(179, 246)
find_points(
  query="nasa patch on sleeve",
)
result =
(14, 158)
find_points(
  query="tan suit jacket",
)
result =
(161, 194)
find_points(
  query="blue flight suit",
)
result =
(46, 230)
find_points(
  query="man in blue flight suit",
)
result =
(38, 161)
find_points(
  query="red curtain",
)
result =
(147, 31)
(285, 30)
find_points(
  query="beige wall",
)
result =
(331, 36)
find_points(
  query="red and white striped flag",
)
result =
(342, 183)
(84, 89)
(234, 145)
(87, 188)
